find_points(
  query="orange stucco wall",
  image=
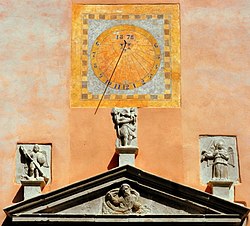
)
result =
(35, 79)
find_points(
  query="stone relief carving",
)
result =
(218, 154)
(34, 163)
(123, 200)
(125, 125)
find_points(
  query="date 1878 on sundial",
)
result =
(125, 55)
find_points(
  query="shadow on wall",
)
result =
(18, 198)
(208, 189)
(6, 222)
(19, 195)
(114, 162)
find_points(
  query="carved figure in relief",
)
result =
(221, 156)
(35, 159)
(125, 124)
(123, 200)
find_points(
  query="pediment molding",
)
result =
(164, 201)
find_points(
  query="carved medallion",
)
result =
(123, 200)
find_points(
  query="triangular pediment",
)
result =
(127, 194)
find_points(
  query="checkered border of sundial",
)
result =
(85, 95)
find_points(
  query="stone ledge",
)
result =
(209, 219)
(223, 189)
(127, 150)
(40, 183)
(32, 188)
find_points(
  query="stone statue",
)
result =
(35, 160)
(123, 200)
(221, 157)
(125, 125)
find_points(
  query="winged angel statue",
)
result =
(34, 161)
(220, 157)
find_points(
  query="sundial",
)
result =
(138, 63)
(125, 56)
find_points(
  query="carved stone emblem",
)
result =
(123, 200)
(125, 125)
(34, 163)
(219, 158)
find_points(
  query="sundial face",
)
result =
(133, 50)
(138, 63)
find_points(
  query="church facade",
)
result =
(124, 112)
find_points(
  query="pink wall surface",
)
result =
(35, 46)
(34, 84)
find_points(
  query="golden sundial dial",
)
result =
(138, 64)
(125, 56)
